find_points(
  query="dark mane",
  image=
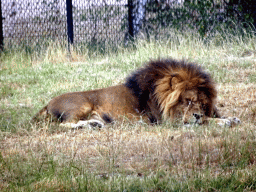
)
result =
(142, 83)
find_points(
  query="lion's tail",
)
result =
(42, 114)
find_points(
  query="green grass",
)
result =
(126, 156)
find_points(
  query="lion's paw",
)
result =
(92, 124)
(229, 122)
(95, 124)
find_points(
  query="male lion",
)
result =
(162, 89)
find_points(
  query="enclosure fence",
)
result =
(107, 21)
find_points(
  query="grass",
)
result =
(126, 156)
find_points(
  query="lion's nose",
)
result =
(197, 116)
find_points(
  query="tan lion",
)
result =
(162, 89)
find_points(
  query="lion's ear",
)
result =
(175, 79)
(200, 82)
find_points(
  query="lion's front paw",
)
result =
(92, 123)
(95, 124)
(229, 122)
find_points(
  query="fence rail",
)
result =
(110, 21)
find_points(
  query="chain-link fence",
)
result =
(112, 21)
(35, 20)
(26, 20)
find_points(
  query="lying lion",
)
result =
(162, 89)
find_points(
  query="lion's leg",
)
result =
(223, 122)
(229, 122)
(76, 116)
(91, 123)
(94, 121)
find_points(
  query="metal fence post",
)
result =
(136, 16)
(1, 28)
(70, 22)
(130, 19)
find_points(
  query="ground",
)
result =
(126, 156)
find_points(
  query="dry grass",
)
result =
(134, 141)
(238, 100)
(140, 150)
(126, 156)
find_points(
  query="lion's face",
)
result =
(191, 106)
(180, 95)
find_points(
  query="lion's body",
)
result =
(109, 103)
(162, 89)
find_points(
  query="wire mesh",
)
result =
(108, 22)
(94, 21)
(32, 21)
